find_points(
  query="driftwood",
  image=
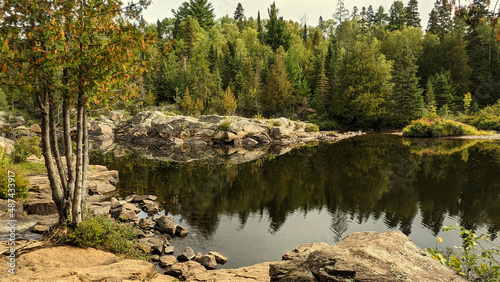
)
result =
(22, 246)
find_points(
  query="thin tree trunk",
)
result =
(55, 145)
(57, 193)
(85, 154)
(68, 148)
(77, 200)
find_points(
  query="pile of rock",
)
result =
(187, 259)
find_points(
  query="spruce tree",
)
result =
(396, 15)
(411, 14)
(322, 95)
(239, 15)
(381, 16)
(277, 34)
(341, 13)
(370, 15)
(354, 13)
(201, 10)
(278, 91)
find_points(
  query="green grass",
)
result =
(29, 168)
(437, 127)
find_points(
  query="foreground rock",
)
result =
(74, 264)
(364, 256)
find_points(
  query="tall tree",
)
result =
(76, 59)
(201, 10)
(277, 33)
(239, 15)
(403, 48)
(440, 22)
(412, 16)
(341, 13)
(370, 15)
(381, 16)
(277, 95)
(396, 15)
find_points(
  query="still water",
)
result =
(257, 211)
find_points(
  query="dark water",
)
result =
(255, 212)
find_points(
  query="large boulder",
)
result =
(208, 261)
(363, 256)
(186, 254)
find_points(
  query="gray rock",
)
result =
(141, 198)
(166, 224)
(128, 215)
(183, 270)
(208, 261)
(169, 249)
(150, 207)
(186, 254)
(154, 257)
(146, 223)
(198, 257)
(116, 115)
(363, 256)
(181, 231)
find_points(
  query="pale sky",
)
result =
(289, 9)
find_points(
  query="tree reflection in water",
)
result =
(375, 176)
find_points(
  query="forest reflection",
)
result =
(374, 176)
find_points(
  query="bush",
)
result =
(26, 147)
(98, 231)
(225, 125)
(488, 118)
(473, 261)
(437, 127)
(312, 127)
(21, 184)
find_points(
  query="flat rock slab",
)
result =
(74, 264)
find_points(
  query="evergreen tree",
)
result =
(201, 10)
(370, 15)
(442, 85)
(411, 14)
(277, 34)
(304, 33)
(364, 19)
(320, 22)
(381, 17)
(433, 25)
(341, 13)
(239, 15)
(322, 95)
(440, 22)
(277, 95)
(430, 97)
(403, 48)
(229, 102)
(354, 13)
(396, 15)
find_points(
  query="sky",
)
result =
(289, 9)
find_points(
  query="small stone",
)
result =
(40, 229)
(36, 128)
(167, 260)
(150, 207)
(166, 224)
(198, 257)
(208, 261)
(186, 254)
(169, 249)
(181, 231)
(146, 223)
(155, 258)
(129, 199)
(141, 198)
(220, 258)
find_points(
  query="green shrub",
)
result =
(98, 231)
(225, 125)
(437, 127)
(26, 147)
(21, 184)
(488, 118)
(472, 261)
(312, 127)
(276, 123)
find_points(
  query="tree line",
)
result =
(368, 68)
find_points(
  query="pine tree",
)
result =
(440, 22)
(381, 16)
(321, 22)
(411, 14)
(442, 84)
(341, 13)
(278, 91)
(370, 15)
(304, 33)
(322, 95)
(239, 15)
(364, 19)
(396, 15)
(430, 97)
(201, 10)
(354, 13)
(277, 34)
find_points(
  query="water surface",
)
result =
(256, 211)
